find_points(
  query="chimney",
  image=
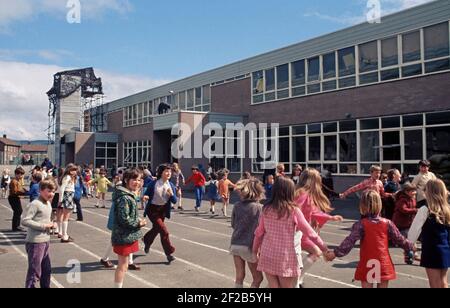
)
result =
(4, 136)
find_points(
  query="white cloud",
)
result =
(25, 10)
(24, 103)
(49, 55)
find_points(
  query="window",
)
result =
(389, 52)
(206, 95)
(368, 57)
(298, 73)
(183, 100)
(314, 128)
(438, 118)
(258, 82)
(390, 74)
(413, 120)
(391, 122)
(412, 70)
(438, 140)
(329, 127)
(284, 150)
(329, 66)
(198, 96)
(313, 69)
(270, 79)
(105, 155)
(437, 66)
(369, 148)
(299, 149)
(411, 47)
(345, 126)
(346, 61)
(137, 153)
(347, 147)
(329, 85)
(283, 76)
(370, 124)
(330, 147)
(314, 148)
(190, 99)
(413, 145)
(347, 82)
(436, 41)
(368, 78)
(391, 146)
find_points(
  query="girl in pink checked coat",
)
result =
(278, 237)
(316, 207)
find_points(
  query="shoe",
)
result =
(59, 235)
(80, 220)
(197, 210)
(146, 248)
(96, 206)
(134, 267)
(170, 258)
(69, 240)
(181, 208)
(18, 229)
(107, 264)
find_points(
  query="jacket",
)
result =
(405, 211)
(150, 192)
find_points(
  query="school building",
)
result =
(368, 94)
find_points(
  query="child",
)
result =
(316, 207)
(372, 183)
(392, 186)
(270, 180)
(160, 195)
(34, 187)
(102, 187)
(246, 175)
(80, 190)
(126, 226)
(213, 191)
(280, 171)
(16, 190)
(6, 179)
(66, 194)
(421, 180)
(374, 233)
(433, 222)
(199, 181)
(244, 221)
(296, 172)
(177, 180)
(38, 221)
(224, 190)
(405, 208)
(277, 238)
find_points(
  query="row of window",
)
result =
(198, 99)
(137, 153)
(410, 54)
(106, 155)
(398, 142)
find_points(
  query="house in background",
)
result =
(33, 154)
(9, 151)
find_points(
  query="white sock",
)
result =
(308, 262)
(118, 285)
(60, 227)
(107, 253)
(130, 259)
(65, 226)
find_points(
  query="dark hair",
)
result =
(424, 163)
(246, 175)
(391, 173)
(37, 177)
(161, 169)
(69, 168)
(19, 171)
(130, 174)
(283, 197)
(47, 184)
(213, 176)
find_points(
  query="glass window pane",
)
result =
(330, 148)
(206, 108)
(190, 98)
(329, 127)
(112, 153)
(437, 66)
(391, 146)
(411, 47)
(390, 74)
(370, 124)
(389, 52)
(313, 69)
(284, 149)
(346, 61)
(391, 122)
(368, 57)
(206, 95)
(345, 126)
(283, 131)
(347, 147)
(412, 70)
(331, 168)
(299, 130)
(438, 118)
(329, 66)
(314, 129)
(183, 100)
(329, 85)
(368, 78)
(314, 88)
(270, 79)
(298, 91)
(258, 82)
(438, 140)
(283, 76)
(348, 169)
(413, 120)
(283, 94)
(269, 96)
(258, 98)
(370, 145)
(314, 148)
(198, 96)
(411, 169)
(298, 73)
(299, 149)
(100, 152)
(413, 145)
(436, 41)
(347, 82)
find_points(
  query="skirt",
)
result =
(67, 202)
(126, 250)
(244, 252)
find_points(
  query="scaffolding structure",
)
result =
(75, 104)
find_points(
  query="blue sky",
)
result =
(139, 43)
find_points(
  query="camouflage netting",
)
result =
(440, 165)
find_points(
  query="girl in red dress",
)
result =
(374, 233)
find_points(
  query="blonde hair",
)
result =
(436, 194)
(311, 183)
(175, 167)
(250, 190)
(370, 204)
(375, 168)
